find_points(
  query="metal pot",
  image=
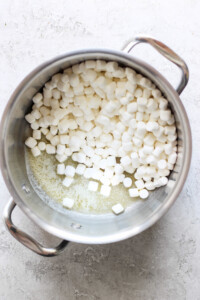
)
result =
(70, 225)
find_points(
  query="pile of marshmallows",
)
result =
(110, 120)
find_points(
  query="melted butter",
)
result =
(43, 169)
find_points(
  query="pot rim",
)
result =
(74, 237)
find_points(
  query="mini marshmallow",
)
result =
(132, 107)
(111, 161)
(149, 139)
(61, 169)
(139, 184)
(125, 161)
(88, 173)
(118, 169)
(138, 92)
(67, 181)
(30, 118)
(37, 134)
(53, 130)
(170, 130)
(68, 202)
(108, 173)
(147, 149)
(93, 186)
(61, 158)
(133, 193)
(64, 139)
(50, 149)
(35, 151)
(163, 181)
(168, 149)
(141, 129)
(105, 190)
(30, 142)
(60, 149)
(44, 131)
(165, 115)
(41, 146)
(143, 194)
(171, 121)
(55, 140)
(152, 106)
(172, 158)
(105, 180)
(70, 171)
(35, 125)
(127, 182)
(152, 126)
(37, 98)
(162, 164)
(36, 114)
(149, 185)
(117, 208)
(80, 169)
(101, 65)
(158, 150)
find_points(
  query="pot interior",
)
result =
(71, 225)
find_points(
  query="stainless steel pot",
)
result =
(74, 226)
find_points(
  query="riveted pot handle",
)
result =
(166, 52)
(27, 240)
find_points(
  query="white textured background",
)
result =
(161, 263)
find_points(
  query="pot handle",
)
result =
(27, 240)
(167, 53)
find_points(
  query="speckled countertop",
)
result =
(164, 261)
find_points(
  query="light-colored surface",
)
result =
(161, 263)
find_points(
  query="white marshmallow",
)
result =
(162, 164)
(80, 169)
(172, 158)
(93, 186)
(30, 142)
(143, 194)
(61, 169)
(70, 171)
(117, 208)
(44, 131)
(152, 126)
(105, 180)
(68, 202)
(35, 151)
(105, 190)
(35, 125)
(37, 98)
(125, 161)
(60, 149)
(50, 149)
(168, 149)
(139, 184)
(61, 158)
(37, 134)
(36, 114)
(132, 107)
(149, 185)
(30, 118)
(133, 193)
(165, 115)
(127, 182)
(55, 140)
(152, 105)
(163, 181)
(41, 146)
(64, 139)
